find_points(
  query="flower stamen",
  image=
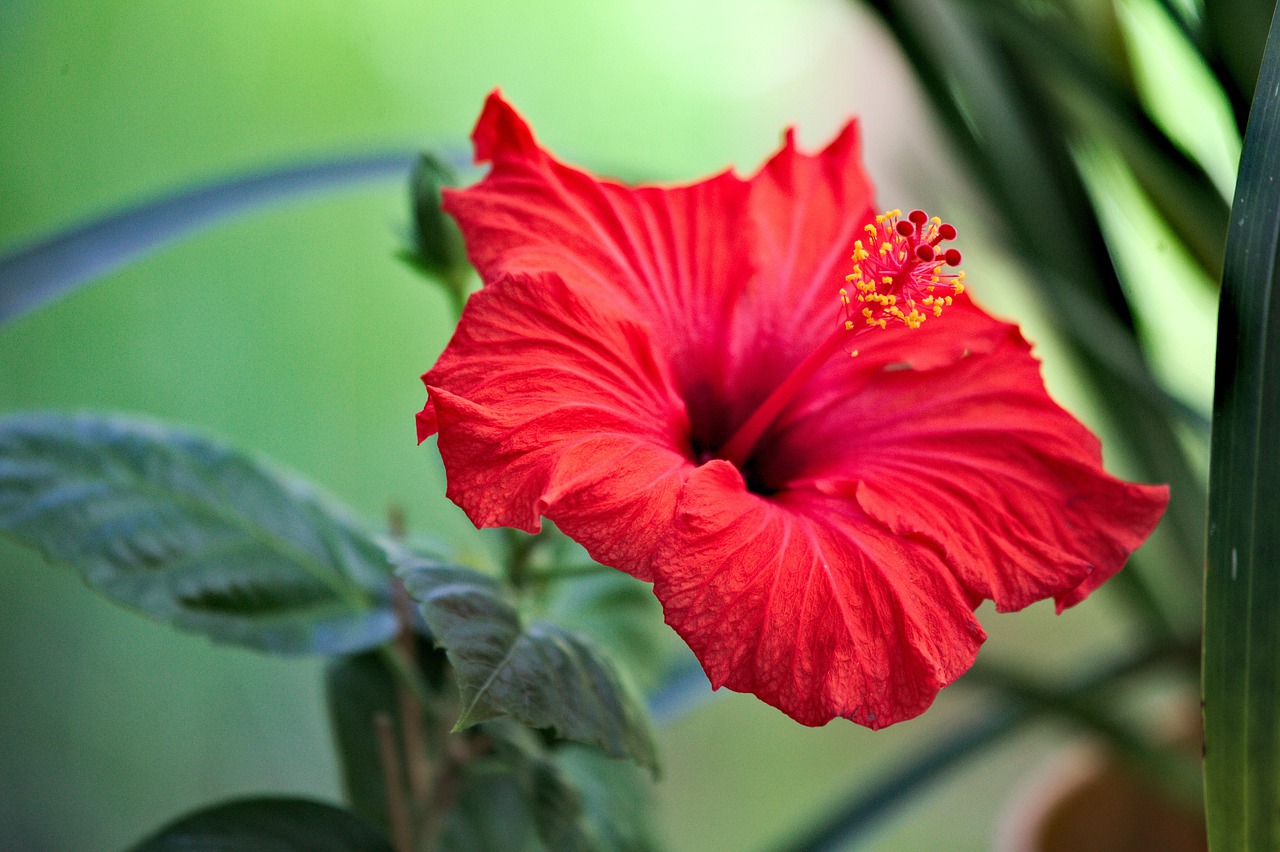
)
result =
(904, 279)
(901, 281)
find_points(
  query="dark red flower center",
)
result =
(899, 275)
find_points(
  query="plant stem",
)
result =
(397, 809)
(520, 548)
(412, 709)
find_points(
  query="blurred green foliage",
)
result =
(296, 333)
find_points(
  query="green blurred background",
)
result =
(294, 332)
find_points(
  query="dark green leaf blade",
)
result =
(267, 825)
(540, 674)
(190, 532)
(1242, 585)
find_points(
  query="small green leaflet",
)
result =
(193, 533)
(517, 794)
(539, 673)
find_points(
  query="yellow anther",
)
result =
(897, 281)
(853, 354)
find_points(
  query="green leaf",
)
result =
(267, 825)
(516, 795)
(190, 532)
(1242, 586)
(617, 799)
(569, 798)
(540, 674)
(438, 251)
(1237, 31)
(491, 813)
(621, 613)
(359, 688)
(1087, 86)
(437, 239)
(553, 803)
(506, 799)
(56, 265)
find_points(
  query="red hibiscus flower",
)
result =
(665, 373)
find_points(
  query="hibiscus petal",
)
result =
(806, 213)
(676, 256)
(810, 605)
(550, 404)
(739, 279)
(977, 459)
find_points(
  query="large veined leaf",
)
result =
(1242, 586)
(267, 825)
(539, 673)
(193, 533)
